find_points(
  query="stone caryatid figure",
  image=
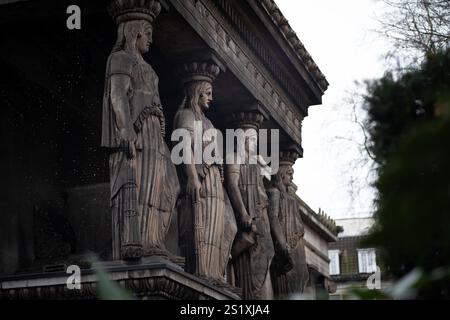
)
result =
(289, 269)
(201, 214)
(253, 249)
(144, 182)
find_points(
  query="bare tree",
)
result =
(416, 28)
(422, 26)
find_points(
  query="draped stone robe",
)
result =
(153, 172)
(214, 245)
(252, 266)
(292, 228)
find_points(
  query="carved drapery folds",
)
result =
(205, 226)
(252, 250)
(144, 183)
(289, 270)
(223, 212)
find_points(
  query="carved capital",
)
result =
(245, 120)
(289, 156)
(198, 71)
(127, 10)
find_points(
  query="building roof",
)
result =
(355, 226)
(312, 219)
(291, 37)
(348, 248)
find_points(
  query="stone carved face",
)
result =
(251, 141)
(144, 39)
(288, 177)
(205, 97)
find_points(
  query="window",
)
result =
(367, 261)
(334, 262)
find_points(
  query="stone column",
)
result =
(143, 179)
(253, 249)
(289, 269)
(206, 230)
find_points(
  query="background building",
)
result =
(320, 234)
(351, 263)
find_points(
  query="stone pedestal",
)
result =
(152, 278)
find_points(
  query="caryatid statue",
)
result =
(201, 215)
(289, 269)
(253, 249)
(144, 182)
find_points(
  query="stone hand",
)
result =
(282, 247)
(288, 263)
(283, 258)
(127, 143)
(193, 189)
(246, 222)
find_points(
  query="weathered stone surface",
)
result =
(289, 268)
(54, 124)
(205, 238)
(144, 183)
(253, 247)
(154, 278)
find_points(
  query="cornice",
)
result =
(291, 37)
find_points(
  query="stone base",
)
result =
(151, 278)
(227, 287)
(165, 255)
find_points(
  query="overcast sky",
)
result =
(339, 35)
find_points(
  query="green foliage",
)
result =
(366, 294)
(395, 106)
(107, 289)
(409, 125)
(415, 284)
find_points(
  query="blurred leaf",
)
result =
(108, 289)
(406, 288)
(366, 294)
(409, 129)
